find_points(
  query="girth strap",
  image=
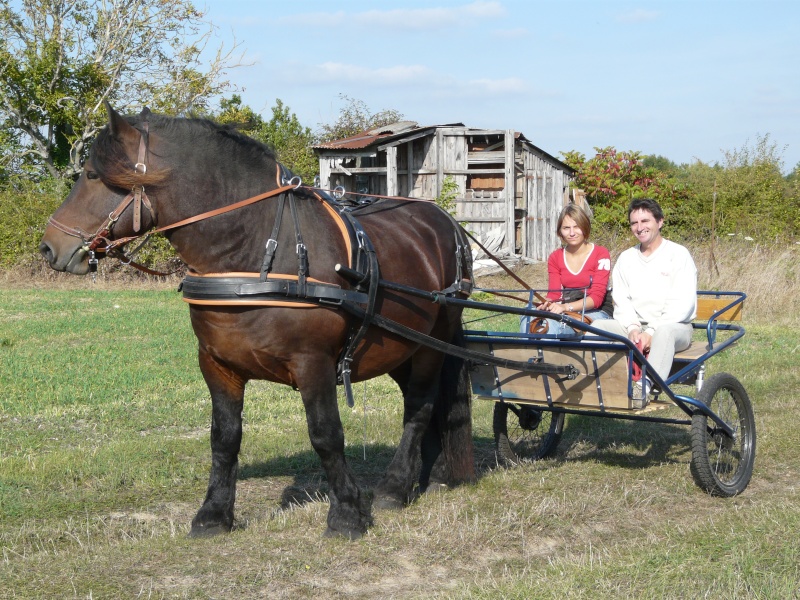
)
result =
(197, 288)
(367, 261)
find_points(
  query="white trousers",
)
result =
(667, 340)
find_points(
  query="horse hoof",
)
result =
(207, 531)
(387, 503)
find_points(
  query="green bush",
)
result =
(24, 209)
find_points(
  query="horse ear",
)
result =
(145, 113)
(118, 126)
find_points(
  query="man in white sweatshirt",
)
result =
(655, 293)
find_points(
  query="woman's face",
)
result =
(570, 232)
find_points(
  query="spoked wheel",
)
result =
(524, 432)
(722, 465)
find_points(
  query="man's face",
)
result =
(645, 227)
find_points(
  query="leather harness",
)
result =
(272, 289)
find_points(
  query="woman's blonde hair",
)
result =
(577, 214)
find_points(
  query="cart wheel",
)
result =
(524, 432)
(721, 465)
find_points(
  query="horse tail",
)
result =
(452, 420)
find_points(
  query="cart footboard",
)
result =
(602, 381)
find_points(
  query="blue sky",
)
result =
(685, 79)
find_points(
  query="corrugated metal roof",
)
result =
(377, 136)
(386, 134)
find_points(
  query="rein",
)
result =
(113, 244)
(100, 241)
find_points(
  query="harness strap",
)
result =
(367, 261)
(138, 191)
(473, 356)
(206, 215)
(248, 288)
(272, 242)
(302, 251)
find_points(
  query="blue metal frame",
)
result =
(611, 342)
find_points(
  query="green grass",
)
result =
(104, 459)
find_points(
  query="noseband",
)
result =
(137, 196)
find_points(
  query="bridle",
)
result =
(137, 196)
(101, 240)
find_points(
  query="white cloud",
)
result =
(407, 76)
(402, 18)
(404, 76)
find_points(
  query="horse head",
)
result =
(108, 201)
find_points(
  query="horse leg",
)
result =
(446, 449)
(418, 379)
(434, 473)
(349, 514)
(227, 399)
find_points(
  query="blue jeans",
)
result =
(557, 328)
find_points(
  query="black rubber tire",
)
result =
(523, 432)
(720, 465)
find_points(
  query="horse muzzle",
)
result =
(71, 255)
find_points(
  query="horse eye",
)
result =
(91, 175)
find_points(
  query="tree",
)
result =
(283, 132)
(354, 118)
(660, 163)
(291, 140)
(753, 198)
(60, 59)
(745, 194)
(612, 178)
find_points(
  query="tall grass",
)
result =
(769, 275)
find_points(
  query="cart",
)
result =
(530, 408)
(536, 380)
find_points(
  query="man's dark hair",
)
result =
(646, 204)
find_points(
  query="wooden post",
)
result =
(409, 172)
(391, 171)
(510, 191)
(439, 163)
(325, 172)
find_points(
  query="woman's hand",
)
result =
(553, 307)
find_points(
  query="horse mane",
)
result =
(115, 167)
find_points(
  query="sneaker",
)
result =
(641, 393)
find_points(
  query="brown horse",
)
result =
(181, 175)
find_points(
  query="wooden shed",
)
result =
(508, 190)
